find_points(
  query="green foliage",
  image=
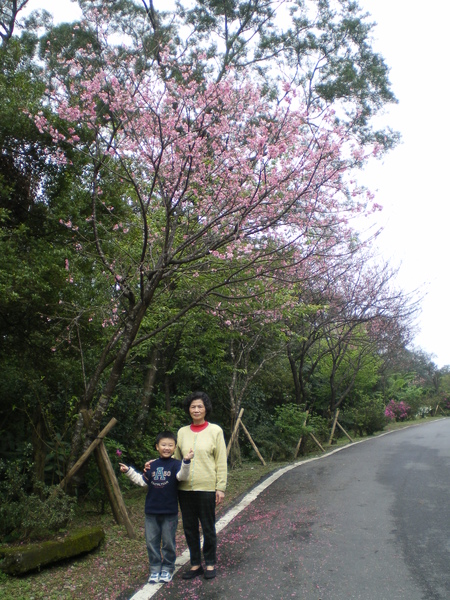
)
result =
(160, 419)
(289, 421)
(277, 436)
(405, 388)
(136, 451)
(319, 426)
(366, 415)
(270, 443)
(59, 299)
(30, 515)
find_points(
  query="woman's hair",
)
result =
(198, 396)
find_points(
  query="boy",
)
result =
(161, 504)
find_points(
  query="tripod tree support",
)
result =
(343, 431)
(333, 428)
(297, 449)
(235, 432)
(107, 474)
(83, 458)
(336, 423)
(317, 442)
(313, 437)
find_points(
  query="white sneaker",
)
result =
(165, 577)
(154, 578)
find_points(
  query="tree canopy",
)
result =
(177, 192)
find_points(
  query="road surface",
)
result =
(369, 522)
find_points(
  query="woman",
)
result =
(206, 485)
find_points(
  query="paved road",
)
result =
(370, 522)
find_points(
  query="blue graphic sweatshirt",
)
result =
(162, 482)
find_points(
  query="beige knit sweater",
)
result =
(208, 471)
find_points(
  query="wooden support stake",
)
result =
(110, 483)
(334, 426)
(297, 449)
(83, 458)
(343, 431)
(117, 514)
(116, 493)
(317, 442)
(235, 431)
(255, 448)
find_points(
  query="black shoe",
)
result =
(210, 573)
(193, 573)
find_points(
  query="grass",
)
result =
(121, 564)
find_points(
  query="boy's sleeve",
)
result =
(136, 477)
(183, 473)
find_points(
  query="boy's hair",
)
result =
(165, 435)
(198, 396)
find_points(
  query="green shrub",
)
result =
(270, 444)
(320, 427)
(31, 515)
(367, 415)
(289, 421)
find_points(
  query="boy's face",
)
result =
(166, 447)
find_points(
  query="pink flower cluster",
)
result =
(397, 411)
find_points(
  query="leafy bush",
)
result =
(289, 421)
(268, 441)
(276, 436)
(319, 426)
(30, 515)
(367, 416)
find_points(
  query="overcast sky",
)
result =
(409, 182)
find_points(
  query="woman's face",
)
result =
(197, 411)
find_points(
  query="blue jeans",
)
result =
(160, 533)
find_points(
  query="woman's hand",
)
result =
(219, 496)
(123, 468)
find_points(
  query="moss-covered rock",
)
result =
(19, 560)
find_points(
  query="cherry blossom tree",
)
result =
(360, 316)
(188, 180)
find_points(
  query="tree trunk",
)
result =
(39, 449)
(235, 449)
(167, 392)
(147, 391)
(293, 365)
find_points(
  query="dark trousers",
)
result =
(196, 508)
